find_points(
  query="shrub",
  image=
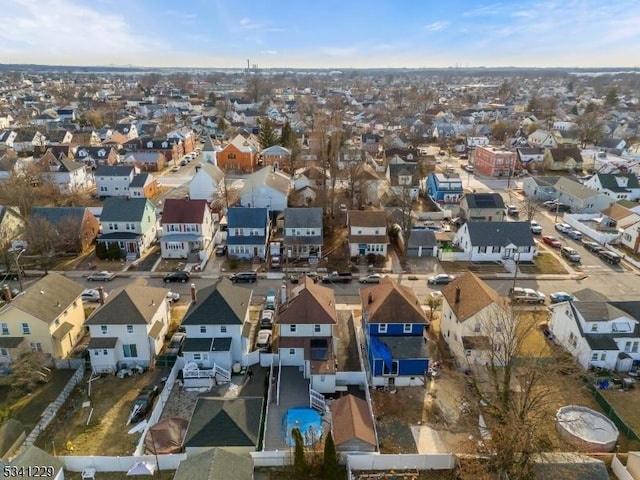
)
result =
(299, 463)
(101, 251)
(330, 467)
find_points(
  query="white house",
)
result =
(496, 241)
(303, 236)
(129, 329)
(619, 186)
(187, 227)
(67, 174)
(207, 182)
(248, 232)
(209, 151)
(266, 188)
(367, 232)
(598, 332)
(113, 181)
(216, 326)
(543, 139)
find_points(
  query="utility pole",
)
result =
(19, 269)
(516, 257)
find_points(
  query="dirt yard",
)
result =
(105, 433)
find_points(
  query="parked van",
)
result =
(244, 277)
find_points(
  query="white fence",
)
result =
(120, 464)
(581, 223)
(268, 359)
(270, 393)
(272, 458)
(50, 412)
(162, 401)
(251, 358)
(454, 256)
(351, 378)
(374, 461)
(620, 470)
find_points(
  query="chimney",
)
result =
(457, 295)
(370, 299)
(283, 294)
(194, 293)
(101, 295)
(7, 292)
(153, 302)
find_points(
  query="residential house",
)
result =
(171, 148)
(496, 241)
(367, 232)
(404, 179)
(209, 151)
(230, 423)
(275, 156)
(187, 227)
(113, 181)
(240, 154)
(216, 325)
(612, 145)
(7, 137)
(307, 333)
(67, 174)
(218, 464)
(566, 138)
(473, 142)
(146, 161)
(207, 182)
(580, 198)
(248, 232)
(128, 330)
(371, 142)
(394, 326)
(562, 159)
(469, 317)
(445, 188)
(422, 243)
(598, 332)
(11, 225)
(530, 158)
(32, 456)
(59, 137)
(144, 185)
(130, 223)
(127, 129)
(494, 162)
(482, 207)
(540, 188)
(27, 139)
(76, 227)
(352, 426)
(266, 188)
(95, 156)
(619, 186)
(542, 139)
(47, 317)
(303, 233)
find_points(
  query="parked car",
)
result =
(144, 402)
(563, 227)
(244, 277)
(371, 278)
(464, 156)
(175, 344)
(263, 342)
(558, 297)
(469, 168)
(513, 211)
(571, 254)
(175, 168)
(266, 319)
(92, 295)
(183, 162)
(177, 277)
(594, 247)
(221, 250)
(575, 234)
(550, 204)
(536, 228)
(173, 297)
(610, 257)
(440, 279)
(548, 335)
(270, 300)
(103, 276)
(551, 241)
(526, 295)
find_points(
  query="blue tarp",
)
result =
(380, 350)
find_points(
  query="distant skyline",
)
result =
(327, 34)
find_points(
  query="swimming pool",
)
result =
(307, 420)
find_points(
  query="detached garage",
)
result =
(422, 243)
(352, 425)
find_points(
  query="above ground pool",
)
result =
(307, 420)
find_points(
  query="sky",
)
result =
(322, 34)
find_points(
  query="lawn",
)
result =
(545, 263)
(171, 265)
(459, 267)
(625, 403)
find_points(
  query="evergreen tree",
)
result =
(114, 252)
(299, 463)
(612, 97)
(222, 125)
(267, 136)
(330, 467)
(101, 251)
(287, 139)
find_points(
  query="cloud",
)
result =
(436, 26)
(248, 24)
(269, 52)
(485, 11)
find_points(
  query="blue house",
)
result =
(394, 325)
(445, 188)
(248, 232)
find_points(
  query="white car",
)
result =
(536, 228)
(173, 296)
(371, 278)
(263, 341)
(103, 276)
(92, 295)
(563, 227)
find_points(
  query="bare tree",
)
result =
(357, 181)
(531, 207)
(402, 201)
(590, 128)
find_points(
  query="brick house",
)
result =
(494, 162)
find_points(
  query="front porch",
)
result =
(180, 245)
(130, 244)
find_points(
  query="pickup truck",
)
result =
(336, 277)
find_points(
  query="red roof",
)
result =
(183, 210)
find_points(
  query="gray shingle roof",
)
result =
(113, 171)
(215, 464)
(139, 180)
(55, 215)
(608, 181)
(221, 304)
(133, 305)
(303, 217)
(246, 217)
(485, 234)
(484, 200)
(118, 209)
(424, 238)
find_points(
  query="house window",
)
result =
(35, 346)
(482, 249)
(96, 352)
(130, 350)
(4, 352)
(292, 351)
(627, 347)
(5, 329)
(594, 327)
(407, 328)
(197, 356)
(382, 328)
(104, 352)
(316, 328)
(129, 328)
(223, 329)
(231, 156)
(634, 347)
(594, 357)
(203, 329)
(603, 357)
(292, 328)
(476, 328)
(25, 329)
(103, 329)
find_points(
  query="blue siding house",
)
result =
(394, 324)
(445, 188)
(248, 232)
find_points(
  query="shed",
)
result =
(352, 425)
